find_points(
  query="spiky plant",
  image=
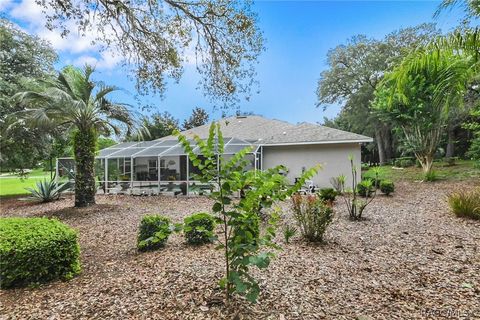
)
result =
(48, 190)
(79, 104)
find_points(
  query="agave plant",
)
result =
(47, 191)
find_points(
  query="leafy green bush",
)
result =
(198, 228)
(387, 187)
(312, 216)
(289, 232)
(47, 191)
(36, 250)
(153, 232)
(404, 162)
(327, 194)
(465, 204)
(365, 188)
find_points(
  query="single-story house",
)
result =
(161, 166)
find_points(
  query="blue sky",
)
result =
(298, 35)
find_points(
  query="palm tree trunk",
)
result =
(380, 146)
(84, 149)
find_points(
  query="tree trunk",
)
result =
(450, 152)
(426, 162)
(51, 168)
(84, 149)
(388, 144)
(380, 146)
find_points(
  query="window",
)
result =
(152, 163)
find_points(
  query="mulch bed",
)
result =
(410, 258)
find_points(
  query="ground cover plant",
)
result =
(180, 280)
(36, 250)
(465, 203)
(243, 242)
(463, 169)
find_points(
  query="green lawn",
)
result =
(462, 170)
(13, 185)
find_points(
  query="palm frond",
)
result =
(104, 90)
(73, 100)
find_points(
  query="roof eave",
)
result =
(317, 142)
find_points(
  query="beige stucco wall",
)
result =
(333, 158)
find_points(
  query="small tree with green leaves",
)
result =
(355, 204)
(244, 244)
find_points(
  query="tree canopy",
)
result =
(24, 58)
(160, 125)
(155, 39)
(354, 72)
(198, 118)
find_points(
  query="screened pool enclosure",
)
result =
(154, 167)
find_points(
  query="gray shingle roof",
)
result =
(271, 131)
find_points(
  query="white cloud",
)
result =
(29, 12)
(5, 4)
(31, 17)
(107, 60)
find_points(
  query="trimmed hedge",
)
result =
(153, 232)
(36, 250)
(198, 228)
(327, 194)
(387, 187)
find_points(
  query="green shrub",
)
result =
(312, 216)
(46, 191)
(36, 250)
(327, 194)
(153, 232)
(366, 188)
(404, 162)
(198, 228)
(431, 176)
(465, 204)
(387, 187)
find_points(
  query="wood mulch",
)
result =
(409, 259)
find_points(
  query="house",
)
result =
(161, 166)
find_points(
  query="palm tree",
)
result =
(80, 105)
(422, 91)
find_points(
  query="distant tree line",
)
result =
(415, 91)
